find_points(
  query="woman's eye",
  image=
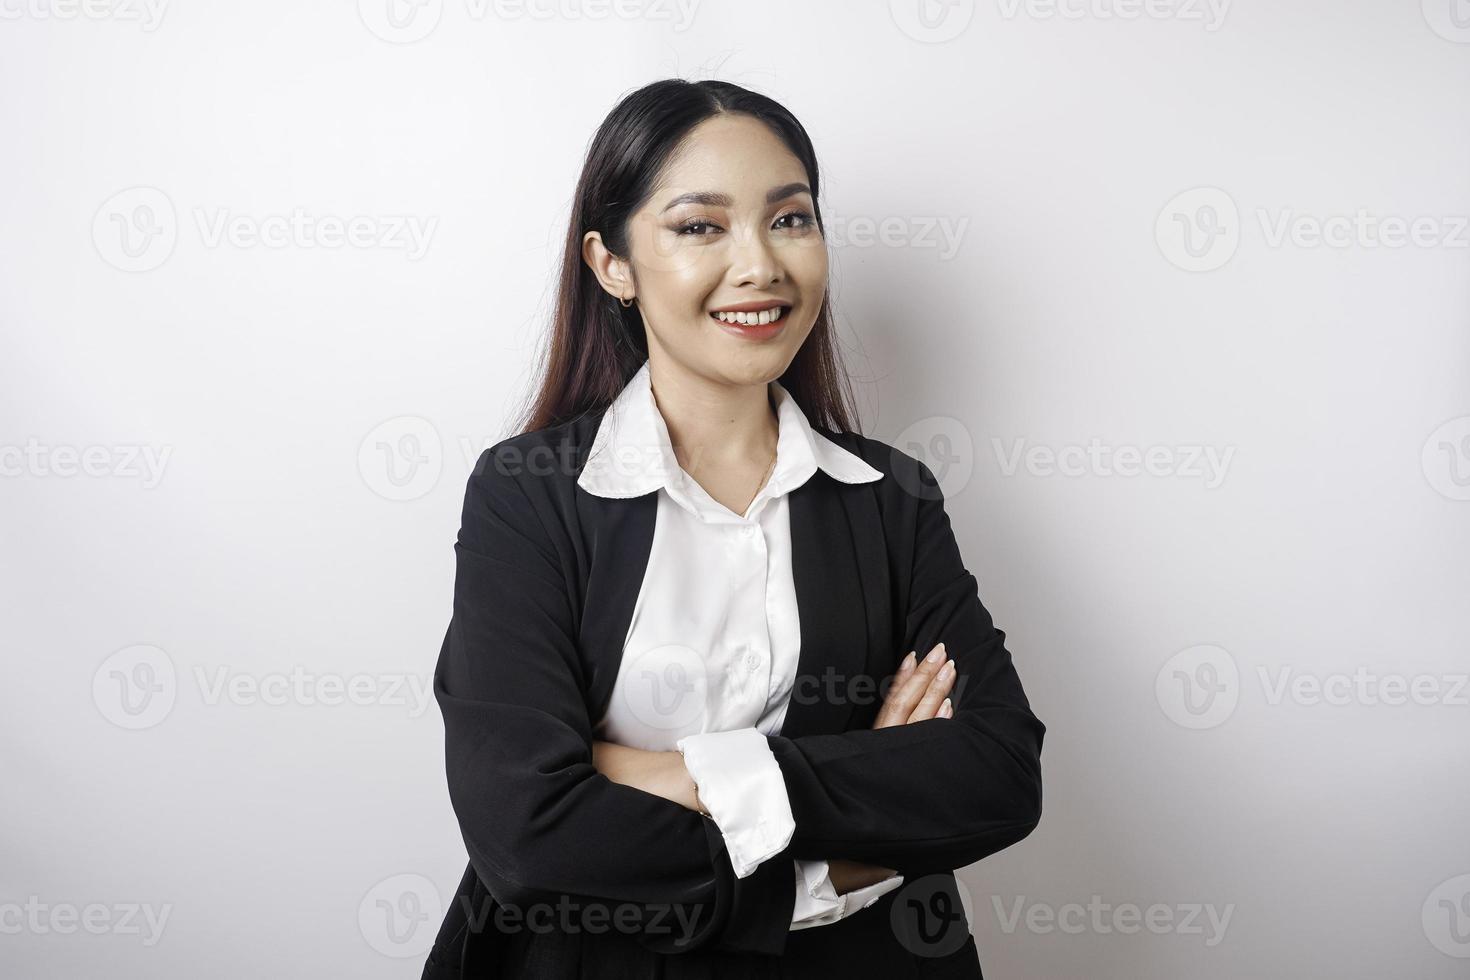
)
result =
(689, 227)
(804, 220)
(697, 226)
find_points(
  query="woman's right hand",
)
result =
(848, 876)
(919, 691)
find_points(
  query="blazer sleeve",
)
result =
(940, 794)
(538, 820)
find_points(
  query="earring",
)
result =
(626, 302)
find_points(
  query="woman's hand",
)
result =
(919, 691)
(849, 876)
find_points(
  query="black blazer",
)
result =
(546, 580)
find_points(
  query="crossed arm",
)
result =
(919, 691)
(542, 823)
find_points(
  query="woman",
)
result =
(720, 697)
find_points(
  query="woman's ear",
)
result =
(612, 272)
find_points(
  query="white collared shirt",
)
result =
(710, 657)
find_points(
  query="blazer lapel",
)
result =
(839, 563)
(619, 549)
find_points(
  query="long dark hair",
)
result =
(595, 345)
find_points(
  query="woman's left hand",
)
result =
(920, 691)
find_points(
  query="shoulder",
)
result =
(544, 462)
(530, 479)
(904, 475)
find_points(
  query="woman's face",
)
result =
(731, 223)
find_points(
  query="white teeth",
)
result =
(751, 319)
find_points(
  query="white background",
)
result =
(1079, 159)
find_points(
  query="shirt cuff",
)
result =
(817, 901)
(741, 785)
(861, 898)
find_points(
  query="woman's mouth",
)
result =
(754, 326)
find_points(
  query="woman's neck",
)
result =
(713, 426)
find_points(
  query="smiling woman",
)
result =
(686, 538)
(729, 233)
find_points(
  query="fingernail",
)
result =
(908, 663)
(935, 655)
(947, 709)
(947, 670)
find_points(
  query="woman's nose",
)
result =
(752, 259)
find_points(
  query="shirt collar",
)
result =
(632, 454)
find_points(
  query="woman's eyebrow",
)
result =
(715, 199)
